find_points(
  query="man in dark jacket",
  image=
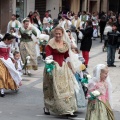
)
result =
(112, 45)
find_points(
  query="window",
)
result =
(20, 8)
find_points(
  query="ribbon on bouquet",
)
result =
(49, 67)
(84, 80)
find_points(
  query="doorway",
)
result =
(93, 6)
(66, 6)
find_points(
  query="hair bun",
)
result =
(8, 36)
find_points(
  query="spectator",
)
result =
(112, 45)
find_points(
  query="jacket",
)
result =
(113, 37)
(86, 42)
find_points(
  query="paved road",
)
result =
(27, 104)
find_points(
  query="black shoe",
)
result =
(2, 95)
(69, 115)
(109, 65)
(46, 113)
(86, 66)
(113, 65)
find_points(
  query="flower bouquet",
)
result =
(43, 42)
(94, 95)
(49, 65)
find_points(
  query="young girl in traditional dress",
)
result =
(18, 62)
(99, 108)
(9, 76)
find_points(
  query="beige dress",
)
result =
(27, 48)
(58, 88)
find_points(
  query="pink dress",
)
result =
(99, 109)
(103, 89)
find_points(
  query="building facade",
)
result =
(9, 7)
(23, 7)
(76, 5)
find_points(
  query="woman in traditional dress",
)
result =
(27, 46)
(99, 108)
(9, 76)
(59, 88)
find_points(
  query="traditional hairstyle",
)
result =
(59, 28)
(8, 37)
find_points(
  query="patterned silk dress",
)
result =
(58, 88)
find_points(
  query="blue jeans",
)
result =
(111, 54)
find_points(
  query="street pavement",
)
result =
(28, 103)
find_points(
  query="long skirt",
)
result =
(28, 49)
(80, 97)
(6, 81)
(98, 110)
(58, 88)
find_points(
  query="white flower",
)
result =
(41, 40)
(28, 57)
(49, 61)
(96, 93)
(89, 76)
(86, 85)
(28, 61)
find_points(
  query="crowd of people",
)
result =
(66, 83)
